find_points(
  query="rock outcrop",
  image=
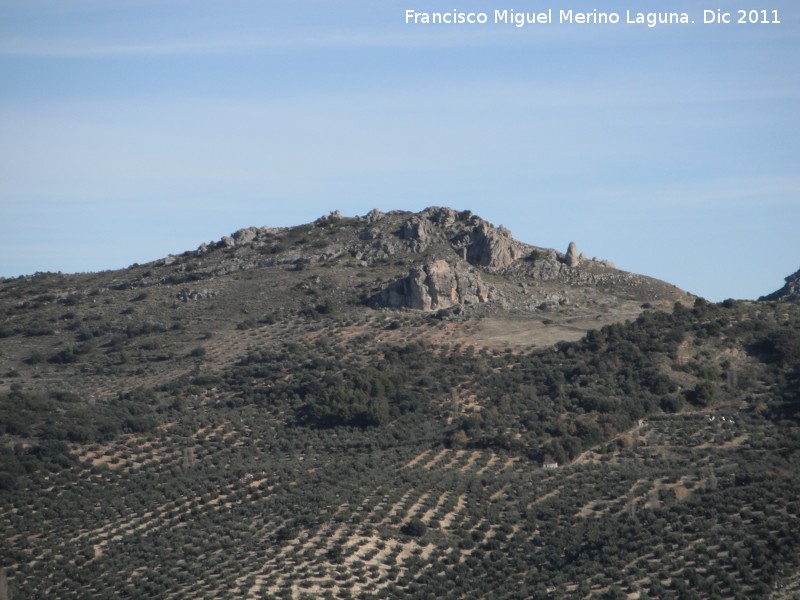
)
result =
(187, 294)
(477, 241)
(453, 248)
(471, 238)
(417, 232)
(432, 286)
(789, 292)
(242, 237)
(333, 217)
(487, 246)
(572, 259)
(373, 216)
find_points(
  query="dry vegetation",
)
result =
(237, 423)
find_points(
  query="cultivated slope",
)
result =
(363, 407)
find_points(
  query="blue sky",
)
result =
(131, 130)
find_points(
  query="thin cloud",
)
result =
(97, 49)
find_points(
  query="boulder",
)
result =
(572, 259)
(187, 294)
(433, 286)
(442, 217)
(487, 246)
(373, 216)
(417, 234)
(332, 217)
(245, 236)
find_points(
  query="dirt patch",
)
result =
(681, 491)
(588, 509)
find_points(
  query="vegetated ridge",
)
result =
(789, 292)
(365, 407)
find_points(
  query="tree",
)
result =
(704, 392)
(3, 585)
(415, 527)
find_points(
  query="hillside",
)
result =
(789, 292)
(363, 407)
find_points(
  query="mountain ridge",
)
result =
(495, 291)
(382, 236)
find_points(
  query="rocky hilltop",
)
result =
(493, 290)
(449, 258)
(789, 292)
(448, 276)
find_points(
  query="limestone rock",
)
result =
(417, 233)
(477, 241)
(373, 216)
(442, 217)
(572, 259)
(187, 294)
(433, 286)
(553, 300)
(369, 234)
(246, 236)
(487, 246)
(332, 217)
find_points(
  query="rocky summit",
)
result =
(438, 258)
(790, 292)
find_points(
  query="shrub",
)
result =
(35, 358)
(704, 392)
(65, 356)
(415, 527)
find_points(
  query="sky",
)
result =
(130, 130)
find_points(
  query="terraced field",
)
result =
(246, 421)
(222, 512)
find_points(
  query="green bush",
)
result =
(415, 528)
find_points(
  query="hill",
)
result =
(394, 405)
(789, 292)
